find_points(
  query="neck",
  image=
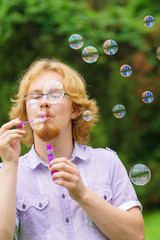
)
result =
(62, 146)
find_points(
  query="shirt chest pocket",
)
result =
(33, 214)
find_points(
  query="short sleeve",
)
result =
(124, 195)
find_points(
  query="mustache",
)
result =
(45, 113)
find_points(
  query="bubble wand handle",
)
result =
(22, 123)
(50, 154)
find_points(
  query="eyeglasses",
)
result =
(52, 97)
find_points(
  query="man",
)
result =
(85, 193)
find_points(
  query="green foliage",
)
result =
(151, 221)
(31, 29)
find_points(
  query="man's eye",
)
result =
(36, 97)
(56, 94)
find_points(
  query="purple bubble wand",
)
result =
(22, 123)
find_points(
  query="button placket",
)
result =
(67, 220)
(66, 212)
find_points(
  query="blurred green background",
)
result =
(31, 29)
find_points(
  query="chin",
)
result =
(48, 132)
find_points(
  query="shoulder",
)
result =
(99, 153)
(110, 150)
(105, 151)
(105, 157)
(22, 160)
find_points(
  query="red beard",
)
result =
(48, 132)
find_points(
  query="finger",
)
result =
(10, 124)
(9, 138)
(64, 175)
(62, 167)
(62, 182)
(12, 131)
(62, 160)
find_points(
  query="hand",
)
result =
(68, 176)
(10, 147)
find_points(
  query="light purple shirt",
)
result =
(45, 211)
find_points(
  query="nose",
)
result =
(45, 102)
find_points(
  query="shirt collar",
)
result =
(34, 159)
(80, 151)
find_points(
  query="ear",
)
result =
(75, 111)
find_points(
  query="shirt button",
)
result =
(40, 205)
(23, 206)
(105, 197)
(67, 220)
(63, 196)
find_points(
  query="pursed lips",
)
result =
(47, 117)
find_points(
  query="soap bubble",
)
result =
(147, 97)
(90, 54)
(140, 174)
(42, 114)
(119, 111)
(125, 70)
(158, 53)
(110, 47)
(75, 41)
(87, 115)
(38, 123)
(34, 103)
(53, 86)
(149, 21)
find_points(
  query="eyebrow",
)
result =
(34, 91)
(39, 91)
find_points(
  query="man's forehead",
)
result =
(46, 86)
(52, 85)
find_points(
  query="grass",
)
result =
(152, 225)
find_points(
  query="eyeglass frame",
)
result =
(45, 94)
